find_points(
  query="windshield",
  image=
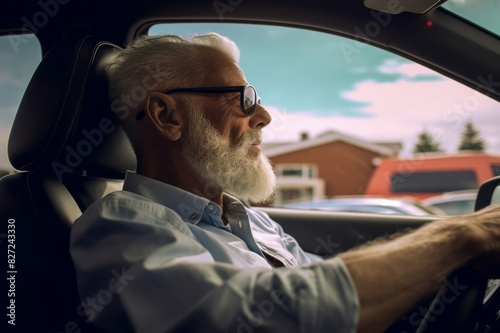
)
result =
(482, 12)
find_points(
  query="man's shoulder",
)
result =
(124, 195)
(128, 207)
(121, 198)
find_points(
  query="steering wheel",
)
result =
(458, 306)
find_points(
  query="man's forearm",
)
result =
(391, 277)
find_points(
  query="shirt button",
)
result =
(210, 207)
(240, 224)
(193, 216)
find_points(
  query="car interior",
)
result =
(69, 151)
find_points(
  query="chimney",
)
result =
(304, 136)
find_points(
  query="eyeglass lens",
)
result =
(249, 99)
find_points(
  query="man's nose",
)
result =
(260, 118)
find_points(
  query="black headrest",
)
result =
(64, 121)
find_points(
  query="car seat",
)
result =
(69, 152)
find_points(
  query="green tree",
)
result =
(426, 143)
(471, 140)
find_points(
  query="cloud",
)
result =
(401, 110)
(406, 69)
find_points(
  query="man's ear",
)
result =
(164, 114)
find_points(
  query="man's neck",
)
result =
(185, 179)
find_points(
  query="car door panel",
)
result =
(329, 233)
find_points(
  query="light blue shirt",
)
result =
(155, 258)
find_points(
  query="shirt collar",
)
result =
(188, 205)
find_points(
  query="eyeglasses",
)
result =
(248, 96)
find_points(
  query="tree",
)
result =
(471, 139)
(426, 143)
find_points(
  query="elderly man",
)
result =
(177, 251)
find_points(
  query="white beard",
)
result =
(225, 167)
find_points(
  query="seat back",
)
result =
(69, 152)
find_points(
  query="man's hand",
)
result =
(485, 231)
(392, 277)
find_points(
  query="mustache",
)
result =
(250, 138)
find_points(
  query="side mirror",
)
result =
(488, 194)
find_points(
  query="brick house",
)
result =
(331, 164)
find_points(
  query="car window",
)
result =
(484, 13)
(496, 170)
(19, 57)
(339, 107)
(433, 181)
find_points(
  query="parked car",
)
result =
(378, 69)
(453, 203)
(431, 174)
(364, 204)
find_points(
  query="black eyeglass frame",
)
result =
(216, 90)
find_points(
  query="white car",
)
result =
(453, 203)
(368, 205)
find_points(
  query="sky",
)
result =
(313, 82)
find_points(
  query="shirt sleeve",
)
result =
(140, 269)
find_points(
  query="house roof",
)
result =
(273, 149)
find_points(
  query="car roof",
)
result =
(449, 161)
(362, 200)
(363, 204)
(370, 200)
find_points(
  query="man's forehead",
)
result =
(223, 68)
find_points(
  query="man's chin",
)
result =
(262, 194)
(254, 151)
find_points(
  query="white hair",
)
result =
(157, 63)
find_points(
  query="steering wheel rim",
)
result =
(458, 305)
